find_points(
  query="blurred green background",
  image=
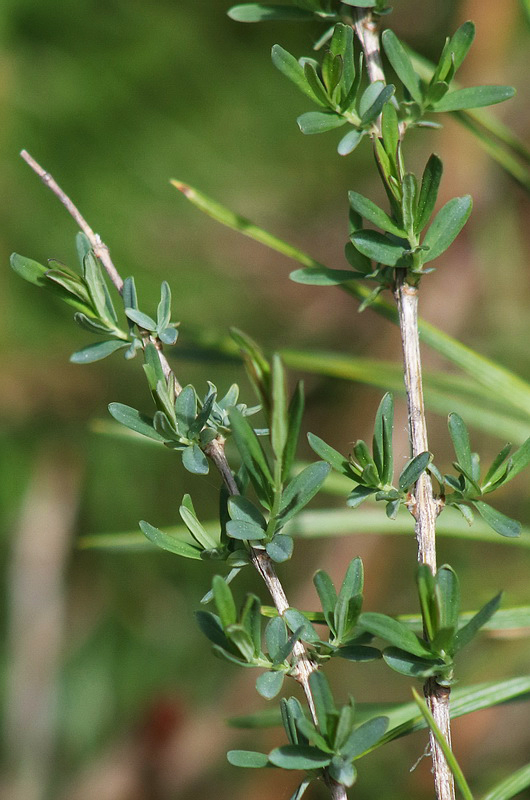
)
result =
(108, 689)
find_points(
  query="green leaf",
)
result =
(358, 496)
(251, 453)
(280, 548)
(413, 469)
(237, 529)
(135, 420)
(240, 508)
(360, 3)
(279, 408)
(358, 653)
(329, 454)
(460, 43)
(394, 632)
(276, 639)
(211, 627)
(194, 460)
(28, 269)
(510, 786)
(519, 460)
(382, 439)
(430, 183)
(163, 313)
(313, 79)
(319, 122)
(186, 409)
(90, 324)
(97, 351)
(327, 594)
(129, 297)
(342, 45)
(324, 703)
(169, 543)
(226, 608)
(364, 737)
(292, 69)
(470, 630)
(373, 111)
(379, 248)
(294, 419)
(300, 791)
(269, 684)
(447, 592)
(474, 97)
(390, 131)
(300, 625)
(497, 520)
(140, 319)
(298, 756)
(190, 520)
(402, 65)
(370, 211)
(410, 665)
(321, 276)
(446, 226)
(408, 204)
(247, 758)
(258, 12)
(349, 142)
(302, 489)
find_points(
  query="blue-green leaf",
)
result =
(194, 460)
(399, 58)
(474, 97)
(321, 276)
(446, 226)
(134, 420)
(319, 122)
(379, 248)
(497, 520)
(170, 543)
(97, 351)
(280, 548)
(370, 211)
(302, 489)
(269, 684)
(292, 69)
(299, 756)
(349, 142)
(247, 758)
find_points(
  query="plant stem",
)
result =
(303, 666)
(368, 34)
(424, 508)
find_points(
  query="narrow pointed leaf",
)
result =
(295, 414)
(413, 469)
(302, 489)
(170, 543)
(330, 455)
(399, 58)
(470, 630)
(446, 226)
(370, 211)
(393, 632)
(430, 184)
(135, 420)
(321, 276)
(497, 520)
(474, 97)
(298, 756)
(97, 351)
(292, 69)
(327, 594)
(510, 786)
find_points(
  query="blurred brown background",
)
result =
(108, 689)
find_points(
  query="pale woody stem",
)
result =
(424, 509)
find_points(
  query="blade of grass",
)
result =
(453, 764)
(511, 785)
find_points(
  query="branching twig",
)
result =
(304, 666)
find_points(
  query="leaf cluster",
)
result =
(433, 654)
(468, 488)
(374, 472)
(328, 747)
